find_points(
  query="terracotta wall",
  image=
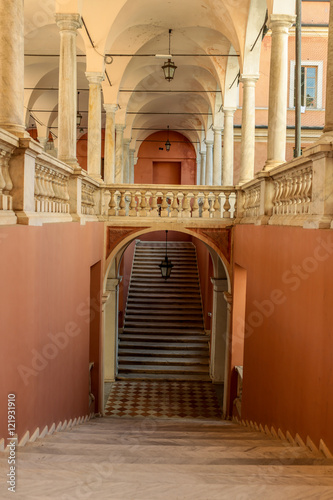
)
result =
(288, 350)
(181, 151)
(45, 320)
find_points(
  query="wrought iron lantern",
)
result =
(166, 264)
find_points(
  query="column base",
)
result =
(7, 218)
(270, 164)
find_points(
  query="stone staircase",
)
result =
(163, 336)
(154, 459)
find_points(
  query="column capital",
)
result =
(120, 127)
(217, 130)
(127, 141)
(132, 151)
(112, 284)
(228, 298)
(220, 284)
(95, 77)
(110, 108)
(281, 22)
(209, 144)
(203, 153)
(69, 22)
(229, 111)
(249, 80)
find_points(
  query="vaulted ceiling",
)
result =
(211, 42)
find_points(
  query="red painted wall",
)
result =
(181, 151)
(288, 349)
(45, 302)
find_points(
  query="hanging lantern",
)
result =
(169, 66)
(166, 264)
(168, 143)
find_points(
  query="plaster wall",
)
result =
(288, 348)
(45, 320)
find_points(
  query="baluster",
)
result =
(37, 190)
(195, 206)
(153, 205)
(217, 206)
(122, 204)
(164, 206)
(143, 205)
(308, 193)
(206, 207)
(186, 209)
(174, 205)
(113, 204)
(226, 207)
(133, 212)
(66, 194)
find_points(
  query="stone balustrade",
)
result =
(51, 186)
(293, 191)
(152, 200)
(252, 201)
(88, 203)
(8, 143)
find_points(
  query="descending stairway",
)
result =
(163, 336)
(152, 459)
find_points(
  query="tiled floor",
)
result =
(163, 400)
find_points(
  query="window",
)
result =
(311, 84)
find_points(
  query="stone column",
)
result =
(209, 163)
(228, 148)
(68, 25)
(329, 79)
(248, 128)
(12, 66)
(111, 330)
(203, 168)
(219, 331)
(119, 153)
(278, 90)
(198, 176)
(131, 164)
(95, 124)
(217, 168)
(109, 144)
(126, 161)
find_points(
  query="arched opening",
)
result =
(214, 287)
(156, 165)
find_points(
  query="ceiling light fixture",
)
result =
(168, 143)
(169, 66)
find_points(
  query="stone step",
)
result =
(185, 377)
(151, 369)
(175, 352)
(161, 346)
(156, 310)
(170, 318)
(169, 328)
(139, 337)
(161, 361)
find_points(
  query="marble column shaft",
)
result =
(111, 330)
(278, 90)
(119, 174)
(126, 161)
(109, 144)
(67, 108)
(248, 128)
(95, 124)
(131, 164)
(209, 163)
(219, 330)
(329, 78)
(228, 148)
(12, 66)
(217, 162)
(203, 168)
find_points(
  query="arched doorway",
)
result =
(221, 304)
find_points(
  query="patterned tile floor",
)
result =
(158, 399)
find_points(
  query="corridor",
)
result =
(156, 459)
